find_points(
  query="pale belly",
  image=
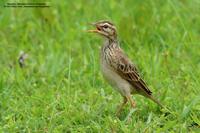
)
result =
(121, 85)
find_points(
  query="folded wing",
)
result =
(129, 72)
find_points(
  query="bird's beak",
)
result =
(95, 30)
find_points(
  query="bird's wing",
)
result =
(128, 71)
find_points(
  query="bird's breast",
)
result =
(114, 79)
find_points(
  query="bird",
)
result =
(118, 69)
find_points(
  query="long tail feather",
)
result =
(156, 101)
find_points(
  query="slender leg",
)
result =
(121, 106)
(133, 104)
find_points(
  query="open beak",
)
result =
(97, 30)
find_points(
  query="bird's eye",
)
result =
(105, 26)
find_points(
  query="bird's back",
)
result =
(113, 58)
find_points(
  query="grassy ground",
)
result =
(61, 88)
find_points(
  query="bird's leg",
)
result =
(121, 106)
(133, 104)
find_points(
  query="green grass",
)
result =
(61, 88)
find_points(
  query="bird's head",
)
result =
(106, 29)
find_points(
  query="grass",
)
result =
(61, 88)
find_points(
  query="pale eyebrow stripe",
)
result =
(111, 26)
(106, 24)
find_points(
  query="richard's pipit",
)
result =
(116, 67)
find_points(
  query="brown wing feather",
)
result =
(129, 72)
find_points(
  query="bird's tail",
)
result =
(161, 105)
(156, 101)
